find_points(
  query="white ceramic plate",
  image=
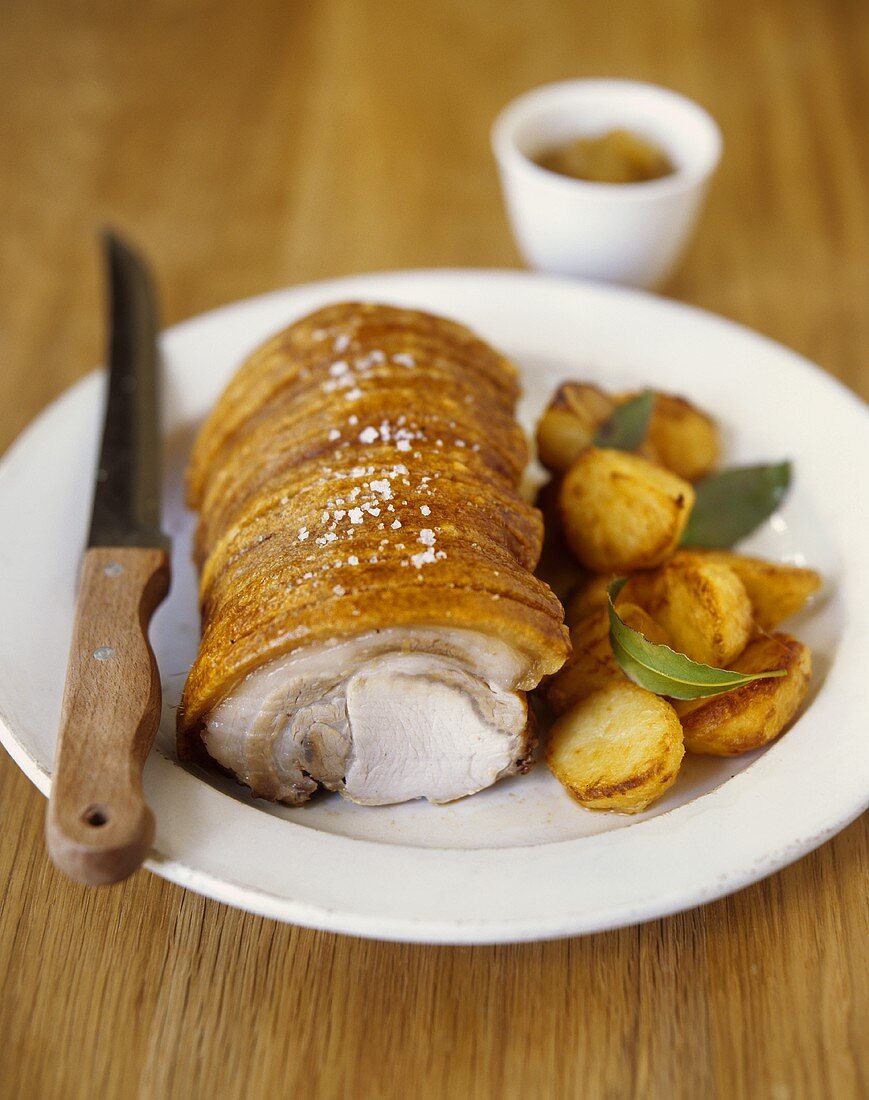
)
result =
(521, 860)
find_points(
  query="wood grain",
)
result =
(99, 828)
(247, 147)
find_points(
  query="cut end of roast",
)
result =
(387, 717)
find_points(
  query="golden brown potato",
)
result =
(621, 512)
(570, 423)
(619, 748)
(701, 603)
(776, 590)
(592, 663)
(638, 618)
(755, 714)
(680, 436)
(587, 596)
(557, 566)
(590, 666)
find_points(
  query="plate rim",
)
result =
(278, 906)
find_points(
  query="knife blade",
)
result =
(126, 508)
(99, 827)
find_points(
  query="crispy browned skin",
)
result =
(359, 472)
(298, 360)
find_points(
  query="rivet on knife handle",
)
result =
(99, 827)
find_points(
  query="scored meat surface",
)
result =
(370, 619)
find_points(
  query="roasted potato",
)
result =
(680, 436)
(639, 619)
(592, 663)
(587, 596)
(570, 423)
(755, 714)
(776, 590)
(701, 604)
(621, 512)
(618, 748)
(557, 566)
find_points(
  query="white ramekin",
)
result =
(631, 233)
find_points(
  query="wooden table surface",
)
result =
(251, 146)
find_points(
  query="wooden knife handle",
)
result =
(99, 828)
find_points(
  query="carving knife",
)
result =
(99, 828)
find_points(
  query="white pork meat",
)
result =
(386, 717)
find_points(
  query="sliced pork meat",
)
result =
(371, 621)
(386, 717)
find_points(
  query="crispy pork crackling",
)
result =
(370, 618)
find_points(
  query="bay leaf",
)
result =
(626, 428)
(733, 503)
(664, 671)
